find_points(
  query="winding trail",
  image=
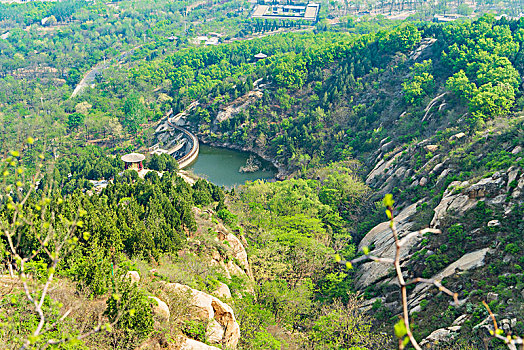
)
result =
(90, 76)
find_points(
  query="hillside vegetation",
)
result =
(431, 113)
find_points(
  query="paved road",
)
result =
(90, 77)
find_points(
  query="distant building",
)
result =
(308, 12)
(260, 56)
(446, 18)
(212, 41)
(133, 161)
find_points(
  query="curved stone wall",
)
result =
(192, 155)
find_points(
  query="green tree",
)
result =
(401, 39)
(461, 86)
(134, 113)
(344, 326)
(290, 71)
(74, 120)
(491, 101)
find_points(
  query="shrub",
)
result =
(264, 340)
(131, 307)
(512, 248)
(227, 217)
(195, 329)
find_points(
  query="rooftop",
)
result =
(307, 11)
(133, 158)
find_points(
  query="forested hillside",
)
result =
(95, 256)
(419, 106)
(337, 97)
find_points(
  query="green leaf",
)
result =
(388, 200)
(400, 329)
(74, 341)
(405, 341)
(33, 338)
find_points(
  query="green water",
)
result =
(220, 166)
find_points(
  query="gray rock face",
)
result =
(381, 238)
(493, 223)
(442, 335)
(485, 187)
(214, 332)
(134, 276)
(437, 168)
(400, 172)
(222, 291)
(387, 146)
(452, 201)
(457, 136)
(461, 197)
(466, 262)
(239, 252)
(191, 344)
(512, 176)
(460, 320)
(380, 168)
(442, 176)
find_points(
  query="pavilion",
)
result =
(133, 161)
(260, 56)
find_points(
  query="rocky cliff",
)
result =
(478, 209)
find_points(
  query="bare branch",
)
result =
(510, 341)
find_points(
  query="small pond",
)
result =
(221, 166)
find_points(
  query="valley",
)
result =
(352, 181)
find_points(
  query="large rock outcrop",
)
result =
(238, 250)
(160, 309)
(440, 336)
(458, 198)
(191, 344)
(466, 262)
(209, 309)
(383, 167)
(382, 240)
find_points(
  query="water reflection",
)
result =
(221, 167)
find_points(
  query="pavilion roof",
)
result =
(133, 158)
